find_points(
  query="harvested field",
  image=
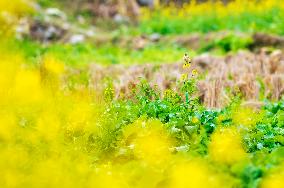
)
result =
(255, 76)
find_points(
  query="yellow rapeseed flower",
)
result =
(194, 72)
(149, 141)
(186, 65)
(183, 77)
(7, 126)
(195, 120)
(27, 87)
(274, 179)
(196, 173)
(187, 61)
(226, 146)
(53, 65)
(15, 8)
(245, 116)
(48, 125)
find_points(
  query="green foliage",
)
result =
(267, 21)
(268, 134)
(83, 54)
(191, 124)
(227, 44)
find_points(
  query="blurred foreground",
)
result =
(96, 94)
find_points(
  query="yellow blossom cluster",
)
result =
(226, 146)
(274, 179)
(11, 11)
(216, 8)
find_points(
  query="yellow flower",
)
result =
(197, 173)
(53, 65)
(187, 61)
(220, 118)
(7, 126)
(149, 141)
(274, 179)
(183, 77)
(186, 65)
(226, 146)
(186, 58)
(48, 125)
(195, 120)
(16, 8)
(246, 117)
(27, 86)
(194, 72)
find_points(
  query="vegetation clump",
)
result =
(62, 127)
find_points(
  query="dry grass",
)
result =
(255, 75)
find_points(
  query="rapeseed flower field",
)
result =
(61, 128)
